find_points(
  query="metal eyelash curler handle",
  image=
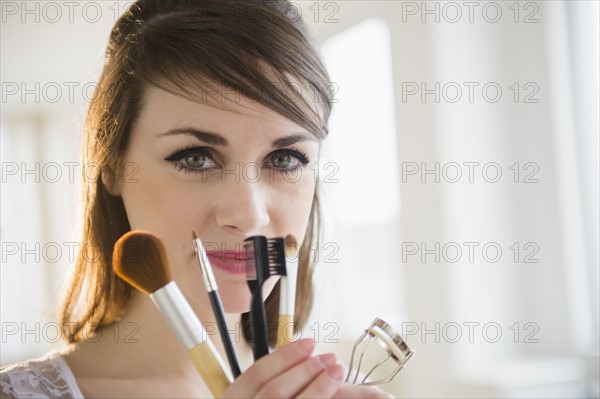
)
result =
(391, 342)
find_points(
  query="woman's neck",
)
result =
(142, 346)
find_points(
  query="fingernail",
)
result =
(336, 372)
(327, 359)
(306, 345)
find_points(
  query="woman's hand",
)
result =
(291, 372)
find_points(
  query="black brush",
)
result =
(215, 301)
(257, 262)
(276, 250)
(264, 258)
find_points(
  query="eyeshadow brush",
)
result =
(139, 258)
(287, 296)
(215, 301)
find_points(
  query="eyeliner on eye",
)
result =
(302, 157)
(186, 152)
(201, 160)
(193, 160)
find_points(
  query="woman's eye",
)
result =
(284, 161)
(288, 159)
(192, 160)
(196, 161)
(200, 159)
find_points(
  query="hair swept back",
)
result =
(258, 48)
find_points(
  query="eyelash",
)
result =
(178, 155)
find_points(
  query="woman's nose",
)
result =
(243, 208)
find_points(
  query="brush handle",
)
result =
(287, 293)
(210, 369)
(287, 300)
(258, 322)
(215, 302)
(285, 321)
(193, 337)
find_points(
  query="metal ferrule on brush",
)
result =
(207, 274)
(179, 314)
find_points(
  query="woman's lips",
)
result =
(229, 261)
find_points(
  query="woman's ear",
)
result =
(109, 182)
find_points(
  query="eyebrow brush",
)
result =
(139, 258)
(264, 258)
(256, 265)
(215, 301)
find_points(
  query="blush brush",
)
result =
(140, 259)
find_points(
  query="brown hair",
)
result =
(257, 48)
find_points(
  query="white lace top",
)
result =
(46, 377)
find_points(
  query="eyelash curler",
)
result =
(393, 346)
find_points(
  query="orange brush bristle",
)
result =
(140, 259)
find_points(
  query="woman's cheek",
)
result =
(297, 206)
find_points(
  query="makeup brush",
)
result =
(264, 258)
(215, 301)
(139, 258)
(256, 264)
(287, 295)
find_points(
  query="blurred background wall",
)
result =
(460, 177)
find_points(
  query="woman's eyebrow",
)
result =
(209, 138)
(289, 140)
(218, 140)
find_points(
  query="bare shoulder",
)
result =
(104, 370)
(46, 377)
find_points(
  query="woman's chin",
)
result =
(235, 299)
(236, 296)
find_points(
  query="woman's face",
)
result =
(227, 174)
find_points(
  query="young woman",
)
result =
(207, 117)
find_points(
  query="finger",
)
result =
(269, 367)
(326, 384)
(293, 381)
(359, 392)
